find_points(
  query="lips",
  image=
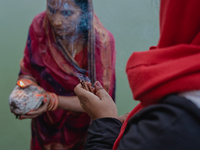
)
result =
(59, 30)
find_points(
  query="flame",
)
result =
(21, 84)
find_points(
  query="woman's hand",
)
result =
(34, 113)
(98, 105)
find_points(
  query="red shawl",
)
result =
(172, 66)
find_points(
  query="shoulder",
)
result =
(37, 35)
(103, 35)
(37, 23)
(105, 40)
(112, 39)
(171, 109)
(39, 18)
(171, 120)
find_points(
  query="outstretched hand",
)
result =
(35, 113)
(98, 103)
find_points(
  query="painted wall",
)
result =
(134, 24)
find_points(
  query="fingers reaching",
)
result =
(101, 92)
(96, 102)
(91, 88)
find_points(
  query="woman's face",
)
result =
(64, 16)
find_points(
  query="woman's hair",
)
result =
(84, 25)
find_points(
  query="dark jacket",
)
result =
(173, 124)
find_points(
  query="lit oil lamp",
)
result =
(23, 83)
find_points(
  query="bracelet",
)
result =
(53, 104)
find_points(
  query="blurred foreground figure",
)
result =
(65, 44)
(166, 81)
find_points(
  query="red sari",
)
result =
(61, 129)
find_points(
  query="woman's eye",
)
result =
(66, 13)
(53, 11)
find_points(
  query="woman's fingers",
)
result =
(39, 111)
(34, 113)
(28, 116)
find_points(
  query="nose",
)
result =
(57, 21)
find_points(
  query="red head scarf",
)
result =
(174, 65)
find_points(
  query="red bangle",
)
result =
(56, 102)
(53, 104)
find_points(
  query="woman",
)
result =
(166, 81)
(65, 44)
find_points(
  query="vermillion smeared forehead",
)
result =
(62, 4)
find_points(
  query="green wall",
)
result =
(134, 24)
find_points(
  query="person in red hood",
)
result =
(166, 81)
